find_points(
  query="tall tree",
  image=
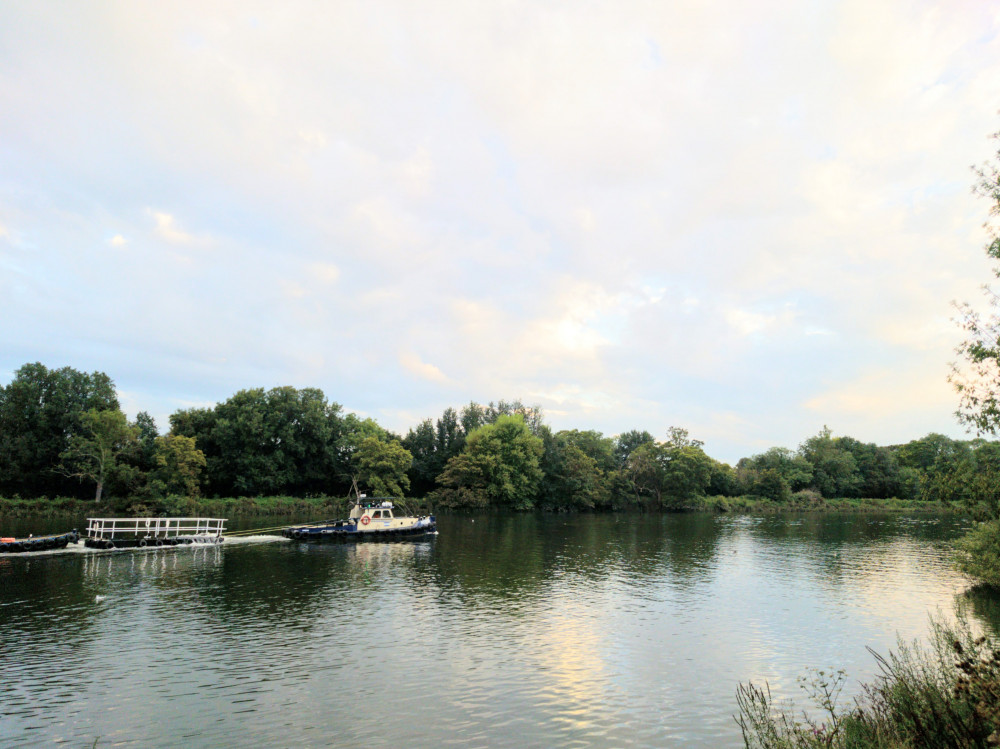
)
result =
(499, 467)
(381, 465)
(977, 376)
(39, 413)
(95, 452)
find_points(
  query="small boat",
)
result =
(372, 519)
(37, 543)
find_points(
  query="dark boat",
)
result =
(37, 543)
(370, 520)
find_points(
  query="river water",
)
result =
(524, 631)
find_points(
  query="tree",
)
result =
(977, 377)
(282, 440)
(39, 412)
(672, 472)
(381, 465)
(499, 467)
(179, 464)
(94, 453)
(835, 471)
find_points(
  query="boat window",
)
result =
(377, 514)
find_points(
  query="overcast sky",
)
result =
(749, 219)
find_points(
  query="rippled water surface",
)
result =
(501, 631)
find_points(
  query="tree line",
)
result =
(63, 433)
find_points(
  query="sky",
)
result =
(747, 219)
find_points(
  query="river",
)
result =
(501, 631)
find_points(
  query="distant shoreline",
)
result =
(321, 507)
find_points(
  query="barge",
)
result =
(38, 543)
(124, 533)
(372, 519)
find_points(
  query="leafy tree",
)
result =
(835, 471)
(572, 477)
(499, 467)
(428, 460)
(179, 464)
(626, 442)
(94, 453)
(977, 377)
(671, 472)
(794, 470)
(381, 466)
(40, 411)
(282, 440)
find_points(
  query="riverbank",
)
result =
(324, 506)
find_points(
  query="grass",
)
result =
(947, 695)
(807, 501)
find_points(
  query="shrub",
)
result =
(945, 696)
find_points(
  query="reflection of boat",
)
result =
(370, 520)
(38, 543)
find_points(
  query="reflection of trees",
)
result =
(983, 602)
(510, 557)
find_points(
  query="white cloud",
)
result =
(167, 228)
(118, 241)
(413, 364)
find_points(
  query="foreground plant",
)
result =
(944, 696)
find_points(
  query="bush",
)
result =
(978, 553)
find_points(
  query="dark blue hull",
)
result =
(346, 531)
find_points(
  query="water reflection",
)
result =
(501, 631)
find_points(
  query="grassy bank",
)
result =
(813, 502)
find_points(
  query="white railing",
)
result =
(155, 527)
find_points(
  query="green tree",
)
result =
(39, 413)
(179, 464)
(95, 452)
(381, 465)
(976, 376)
(499, 467)
(835, 471)
(672, 472)
(282, 440)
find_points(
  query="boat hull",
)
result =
(348, 532)
(38, 543)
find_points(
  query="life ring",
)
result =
(365, 520)
(142, 543)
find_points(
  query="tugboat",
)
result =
(37, 543)
(371, 519)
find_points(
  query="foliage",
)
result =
(670, 472)
(499, 467)
(978, 553)
(277, 441)
(179, 464)
(977, 378)
(835, 471)
(945, 696)
(577, 470)
(39, 414)
(381, 466)
(94, 453)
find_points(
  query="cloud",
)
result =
(721, 215)
(412, 364)
(118, 241)
(167, 228)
